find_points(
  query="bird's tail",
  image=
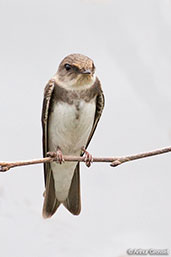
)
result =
(51, 203)
(73, 201)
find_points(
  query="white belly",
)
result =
(69, 129)
(70, 126)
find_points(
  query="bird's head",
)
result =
(76, 71)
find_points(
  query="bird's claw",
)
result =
(51, 154)
(88, 158)
(57, 155)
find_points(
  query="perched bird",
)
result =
(72, 106)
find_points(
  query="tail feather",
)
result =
(73, 201)
(50, 202)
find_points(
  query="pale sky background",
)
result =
(123, 207)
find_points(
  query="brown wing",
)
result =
(45, 114)
(50, 202)
(100, 101)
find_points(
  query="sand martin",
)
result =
(72, 106)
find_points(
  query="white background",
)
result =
(123, 207)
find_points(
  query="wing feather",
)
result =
(50, 202)
(45, 114)
(100, 101)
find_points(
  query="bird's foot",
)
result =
(88, 157)
(57, 155)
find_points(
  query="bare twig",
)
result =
(115, 161)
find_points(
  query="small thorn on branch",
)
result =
(115, 163)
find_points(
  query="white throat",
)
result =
(77, 84)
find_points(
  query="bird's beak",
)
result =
(86, 72)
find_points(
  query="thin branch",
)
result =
(115, 161)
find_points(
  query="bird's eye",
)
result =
(67, 66)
